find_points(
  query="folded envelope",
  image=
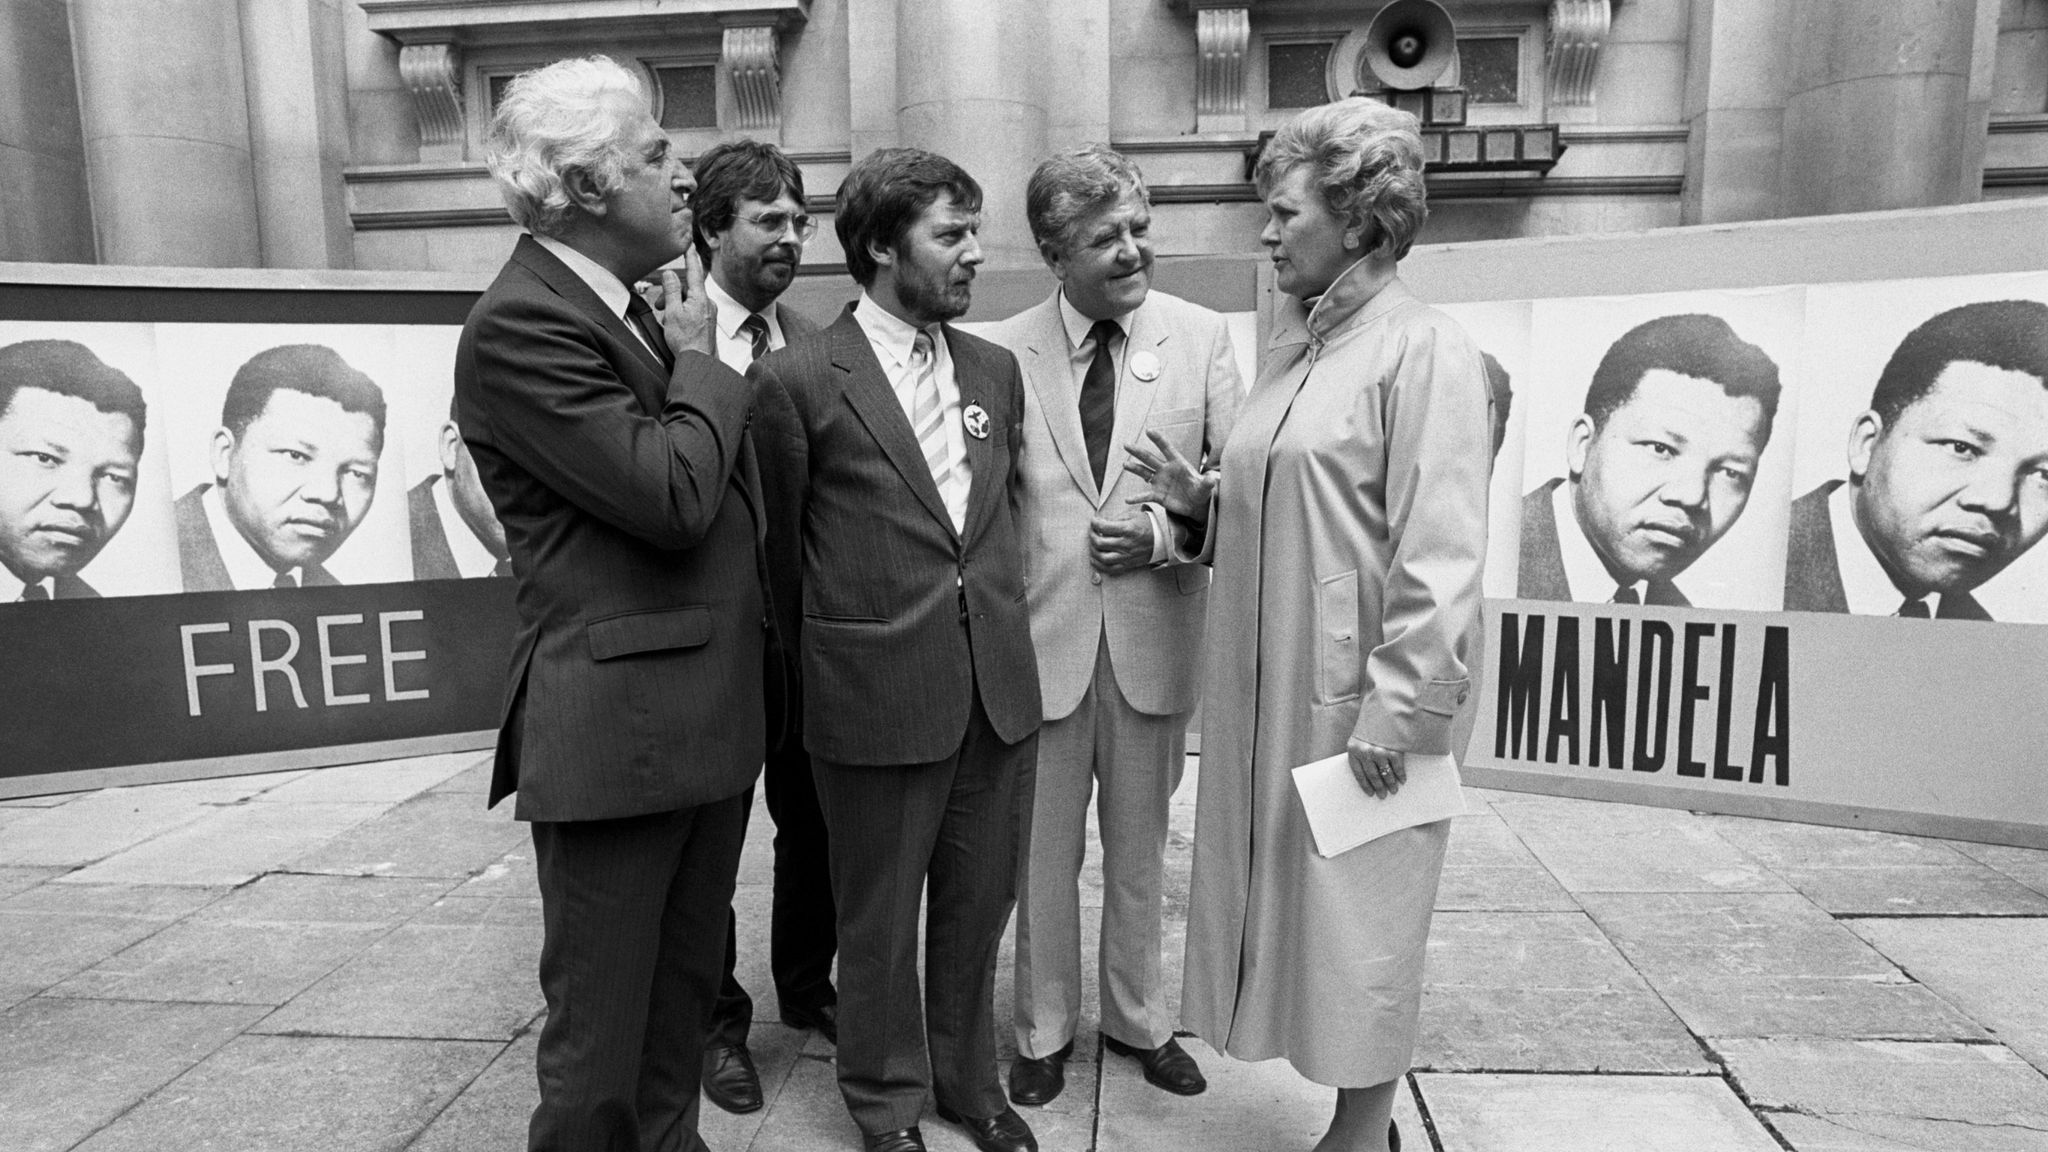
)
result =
(1343, 815)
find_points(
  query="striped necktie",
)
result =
(928, 420)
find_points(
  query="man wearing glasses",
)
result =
(750, 230)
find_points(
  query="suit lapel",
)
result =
(973, 377)
(874, 401)
(1134, 395)
(570, 287)
(1049, 359)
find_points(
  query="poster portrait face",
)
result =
(1926, 489)
(1502, 332)
(283, 455)
(78, 461)
(1664, 448)
(455, 532)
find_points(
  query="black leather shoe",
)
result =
(1167, 1066)
(902, 1140)
(1039, 1079)
(729, 1078)
(1393, 1136)
(1003, 1132)
(820, 1018)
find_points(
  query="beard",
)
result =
(933, 297)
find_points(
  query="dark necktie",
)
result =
(284, 580)
(642, 317)
(1914, 609)
(34, 592)
(1626, 594)
(756, 330)
(1098, 397)
(502, 568)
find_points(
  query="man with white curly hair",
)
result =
(613, 446)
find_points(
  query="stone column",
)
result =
(970, 83)
(1734, 110)
(1878, 108)
(166, 118)
(293, 58)
(45, 210)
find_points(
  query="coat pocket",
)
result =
(1337, 638)
(654, 630)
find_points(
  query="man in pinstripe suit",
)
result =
(894, 435)
(614, 451)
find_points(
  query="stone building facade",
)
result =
(346, 133)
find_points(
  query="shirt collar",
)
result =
(1078, 326)
(246, 569)
(1866, 586)
(12, 586)
(730, 314)
(609, 288)
(891, 334)
(472, 558)
(1583, 569)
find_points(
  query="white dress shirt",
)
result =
(246, 569)
(609, 288)
(736, 348)
(891, 338)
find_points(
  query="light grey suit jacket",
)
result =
(1153, 617)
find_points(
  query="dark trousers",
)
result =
(635, 914)
(955, 825)
(802, 937)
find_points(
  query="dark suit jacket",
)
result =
(631, 510)
(199, 554)
(1541, 574)
(432, 559)
(782, 500)
(889, 667)
(1813, 570)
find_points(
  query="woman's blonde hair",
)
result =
(1365, 159)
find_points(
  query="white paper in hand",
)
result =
(1343, 815)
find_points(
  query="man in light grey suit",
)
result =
(1117, 628)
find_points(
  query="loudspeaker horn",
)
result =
(1410, 43)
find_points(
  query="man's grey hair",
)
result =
(567, 117)
(1074, 184)
(1364, 159)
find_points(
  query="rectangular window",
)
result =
(1490, 69)
(497, 85)
(689, 95)
(1296, 75)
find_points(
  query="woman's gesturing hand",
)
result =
(1177, 483)
(1380, 771)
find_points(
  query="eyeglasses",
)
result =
(775, 223)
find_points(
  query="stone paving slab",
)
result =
(1497, 1113)
(1965, 888)
(388, 781)
(301, 1094)
(1265, 1106)
(227, 845)
(67, 1067)
(1783, 842)
(149, 901)
(1766, 964)
(1488, 869)
(445, 982)
(1835, 1095)
(493, 1110)
(438, 834)
(474, 780)
(38, 949)
(1990, 969)
(2029, 866)
(230, 963)
(1594, 847)
(284, 897)
(1541, 992)
(21, 879)
(97, 826)
(510, 875)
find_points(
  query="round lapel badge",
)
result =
(976, 420)
(1145, 366)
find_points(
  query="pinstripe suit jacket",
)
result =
(630, 506)
(888, 669)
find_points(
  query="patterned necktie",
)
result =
(34, 593)
(640, 316)
(928, 421)
(1098, 397)
(756, 330)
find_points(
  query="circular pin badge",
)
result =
(1145, 366)
(976, 419)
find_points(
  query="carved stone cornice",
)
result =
(1578, 30)
(749, 56)
(1223, 38)
(475, 23)
(433, 74)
